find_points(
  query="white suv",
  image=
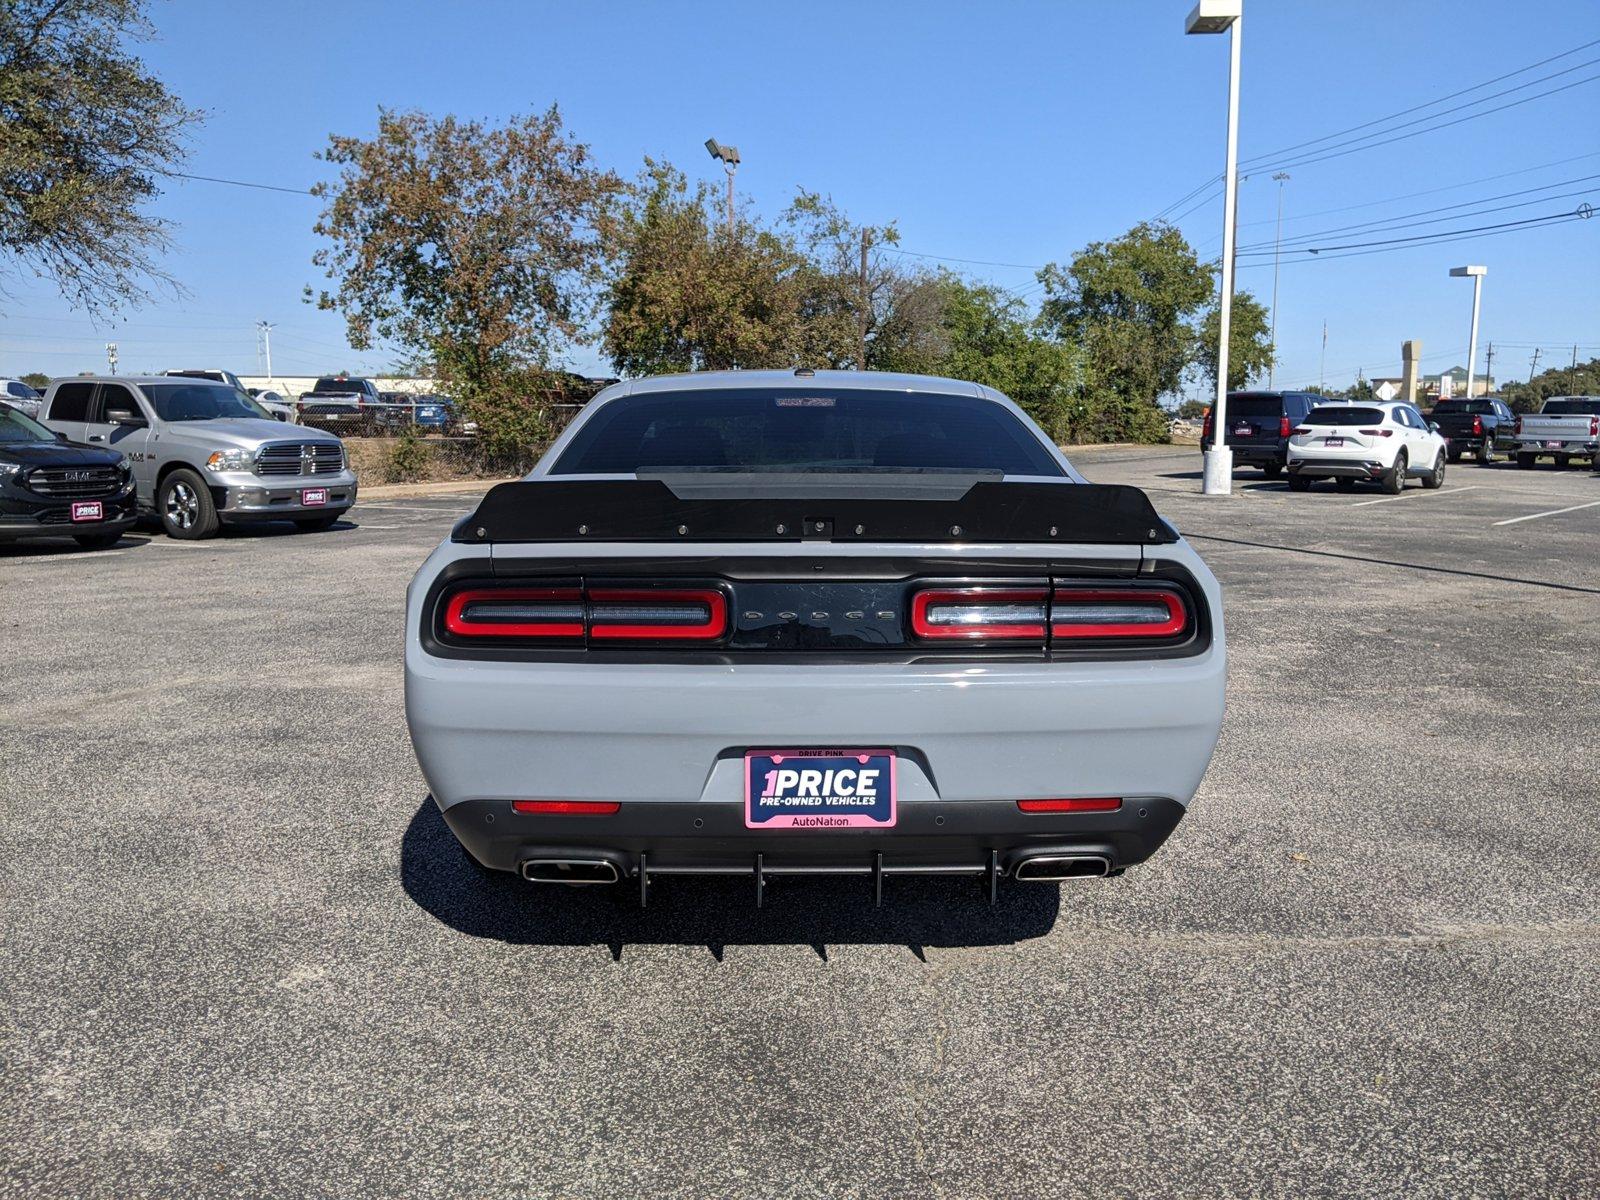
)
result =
(1384, 443)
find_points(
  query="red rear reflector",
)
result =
(1117, 613)
(568, 808)
(1376, 432)
(1099, 804)
(696, 613)
(515, 612)
(979, 613)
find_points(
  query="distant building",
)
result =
(1428, 385)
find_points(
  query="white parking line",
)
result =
(1554, 512)
(1405, 495)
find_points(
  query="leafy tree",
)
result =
(37, 380)
(475, 249)
(1192, 410)
(1250, 350)
(855, 287)
(1131, 306)
(1361, 390)
(86, 132)
(1557, 381)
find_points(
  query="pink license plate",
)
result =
(1552, 445)
(88, 510)
(1333, 441)
(819, 789)
(313, 496)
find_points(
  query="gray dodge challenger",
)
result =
(811, 623)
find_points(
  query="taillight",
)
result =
(1477, 425)
(1299, 429)
(1518, 428)
(1096, 804)
(1283, 426)
(568, 808)
(1594, 426)
(1376, 432)
(680, 614)
(980, 613)
(515, 613)
(1205, 426)
(1091, 613)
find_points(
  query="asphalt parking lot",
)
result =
(242, 955)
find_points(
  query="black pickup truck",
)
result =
(1479, 427)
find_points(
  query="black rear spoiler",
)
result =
(648, 510)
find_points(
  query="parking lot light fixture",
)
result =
(1476, 274)
(728, 156)
(1223, 16)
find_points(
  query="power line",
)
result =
(976, 262)
(244, 183)
(1427, 239)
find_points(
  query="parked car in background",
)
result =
(1566, 427)
(203, 453)
(340, 404)
(22, 396)
(50, 487)
(438, 414)
(1479, 427)
(915, 639)
(274, 403)
(1259, 425)
(1381, 442)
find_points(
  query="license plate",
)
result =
(313, 496)
(819, 789)
(1243, 430)
(1552, 445)
(1333, 441)
(88, 510)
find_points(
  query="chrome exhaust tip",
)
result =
(575, 871)
(1053, 868)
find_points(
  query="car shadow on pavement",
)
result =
(712, 911)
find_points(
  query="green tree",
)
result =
(1192, 410)
(1361, 389)
(1557, 381)
(86, 133)
(1131, 306)
(37, 380)
(475, 250)
(1250, 350)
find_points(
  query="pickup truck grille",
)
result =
(75, 483)
(300, 458)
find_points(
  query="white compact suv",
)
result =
(1385, 443)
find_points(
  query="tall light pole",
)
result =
(1223, 16)
(728, 156)
(111, 356)
(1476, 274)
(264, 329)
(1277, 242)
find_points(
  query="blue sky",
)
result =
(1012, 133)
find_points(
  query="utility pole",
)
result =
(1277, 242)
(264, 330)
(1322, 371)
(865, 304)
(1533, 367)
(111, 356)
(1488, 368)
(1572, 376)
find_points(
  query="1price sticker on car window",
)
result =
(819, 789)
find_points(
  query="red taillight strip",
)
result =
(1096, 804)
(568, 808)
(1061, 626)
(714, 625)
(977, 597)
(457, 622)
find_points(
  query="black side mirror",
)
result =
(61, 437)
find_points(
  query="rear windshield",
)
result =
(1463, 406)
(1330, 414)
(1572, 406)
(804, 429)
(200, 402)
(1247, 404)
(336, 385)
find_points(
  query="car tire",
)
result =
(1344, 483)
(183, 503)
(1272, 470)
(1455, 454)
(1299, 483)
(1434, 479)
(1394, 479)
(1525, 461)
(317, 524)
(97, 541)
(1486, 453)
(1562, 461)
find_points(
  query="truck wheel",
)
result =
(1394, 479)
(1272, 470)
(1435, 477)
(97, 541)
(1345, 483)
(1455, 453)
(183, 502)
(1486, 453)
(1561, 462)
(1299, 483)
(1525, 461)
(316, 524)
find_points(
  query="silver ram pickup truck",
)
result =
(1566, 427)
(204, 453)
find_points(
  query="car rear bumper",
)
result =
(710, 838)
(1333, 468)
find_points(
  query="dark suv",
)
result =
(50, 487)
(1259, 424)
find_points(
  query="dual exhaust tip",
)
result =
(1037, 868)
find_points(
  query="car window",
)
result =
(1248, 404)
(113, 396)
(15, 427)
(1344, 414)
(804, 429)
(71, 402)
(1572, 406)
(201, 402)
(21, 390)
